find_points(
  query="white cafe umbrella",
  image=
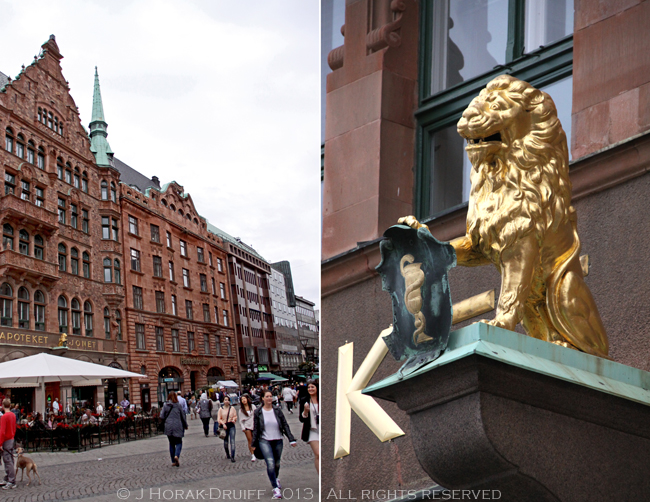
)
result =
(43, 368)
(227, 383)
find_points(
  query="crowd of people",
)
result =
(259, 416)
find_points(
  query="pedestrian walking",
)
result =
(192, 403)
(287, 395)
(175, 426)
(269, 425)
(310, 418)
(7, 435)
(246, 410)
(215, 411)
(183, 402)
(227, 419)
(205, 412)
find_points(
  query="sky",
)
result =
(220, 96)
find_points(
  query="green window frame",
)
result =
(541, 67)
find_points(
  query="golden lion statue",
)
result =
(520, 216)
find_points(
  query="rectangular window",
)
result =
(23, 315)
(40, 197)
(114, 229)
(171, 271)
(155, 233)
(206, 312)
(229, 348)
(137, 298)
(206, 343)
(176, 344)
(106, 227)
(219, 265)
(190, 341)
(464, 46)
(169, 239)
(74, 266)
(135, 260)
(160, 339)
(107, 326)
(84, 223)
(61, 211)
(186, 278)
(88, 323)
(214, 289)
(160, 302)
(68, 177)
(157, 266)
(133, 225)
(216, 315)
(74, 216)
(222, 288)
(188, 309)
(139, 337)
(199, 254)
(217, 340)
(174, 305)
(10, 183)
(225, 318)
(39, 317)
(26, 193)
(183, 248)
(210, 258)
(204, 283)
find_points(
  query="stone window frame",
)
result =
(107, 323)
(7, 305)
(75, 309)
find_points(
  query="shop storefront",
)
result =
(169, 380)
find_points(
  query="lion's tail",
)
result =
(571, 307)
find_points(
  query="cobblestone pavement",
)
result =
(141, 470)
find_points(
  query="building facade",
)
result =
(399, 83)
(251, 299)
(284, 319)
(51, 258)
(308, 328)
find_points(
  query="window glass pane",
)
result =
(450, 169)
(562, 94)
(469, 38)
(547, 21)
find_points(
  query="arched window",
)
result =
(44, 117)
(7, 303)
(59, 168)
(40, 114)
(23, 308)
(88, 318)
(104, 186)
(40, 158)
(180, 211)
(76, 317)
(118, 319)
(50, 120)
(113, 192)
(9, 140)
(108, 273)
(38, 247)
(63, 314)
(164, 202)
(20, 146)
(63, 255)
(74, 261)
(77, 178)
(84, 182)
(172, 207)
(7, 236)
(56, 124)
(61, 128)
(39, 311)
(107, 323)
(86, 265)
(117, 272)
(23, 242)
(31, 152)
(68, 173)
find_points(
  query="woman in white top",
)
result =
(269, 427)
(246, 420)
(227, 417)
(310, 418)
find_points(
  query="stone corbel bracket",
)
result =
(388, 35)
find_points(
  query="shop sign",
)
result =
(195, 361)
(263, 367)
(45, 340)
(169, 380)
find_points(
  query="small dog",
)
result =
(23, 462)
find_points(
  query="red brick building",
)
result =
(51, 259)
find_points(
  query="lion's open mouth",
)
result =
(496, 137)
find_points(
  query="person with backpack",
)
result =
(175, 426)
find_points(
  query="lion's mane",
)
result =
(526, 188)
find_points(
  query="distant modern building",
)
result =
(284, 319)
(308, 328)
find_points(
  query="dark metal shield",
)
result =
(414, 266)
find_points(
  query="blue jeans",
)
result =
(230, 437)
(175, 446)
(272, 452)
(214, 429)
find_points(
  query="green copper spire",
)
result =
(98, 143)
